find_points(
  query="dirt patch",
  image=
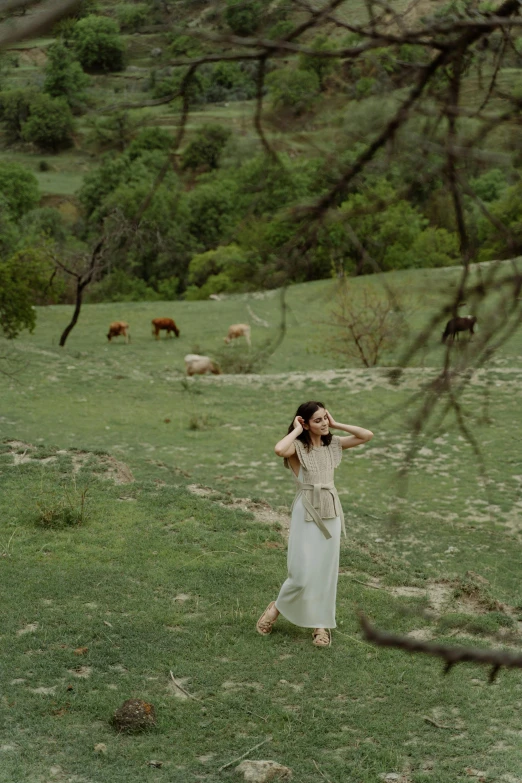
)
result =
(104, 465)
(261, 510)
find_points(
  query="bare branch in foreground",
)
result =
(41, 19)
(495, 658)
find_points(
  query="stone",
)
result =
(134, 715)
(156, 52)
(263, 771)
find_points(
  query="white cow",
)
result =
(199, 365)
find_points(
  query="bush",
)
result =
(113, 132)
(293, 90)
(121, 287)
(22, 278)
(131, 17)
(212, 213)
(98, 44)
(64, 77)
(44, 222)
(227, 82)
(207, 147)
(321, 66)
(149, 139)
(19, 188)
(243, 16)
(223, 270)
(15, 110)
(50, 124)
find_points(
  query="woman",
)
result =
(307, 598)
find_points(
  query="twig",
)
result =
(318, 768)
(451, 655)
(366, 584)
(437, 725)
(225, 766)
(182, 689)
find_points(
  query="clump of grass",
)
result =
(470, 587)
(489, 623)
(200, 422)
(62, 507)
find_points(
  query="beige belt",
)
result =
(314, 508)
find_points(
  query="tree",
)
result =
(15, 108)
(366, 325)
(50, 124)
(206, 148)
(321, 66)
(293, 90)
(23, 277)
(19, 189)
(98, 44)
(243, 16)
(64, 76)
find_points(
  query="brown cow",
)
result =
(459, 324)
(117, 329)
(238, 330)
(164, 323)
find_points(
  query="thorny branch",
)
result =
(497, 659)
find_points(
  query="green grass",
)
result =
(157, 579)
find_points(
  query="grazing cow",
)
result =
(238, 330)
(459, 324)
(199, 365)
(164, 323)
(117, 329)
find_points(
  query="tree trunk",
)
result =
(79, 296)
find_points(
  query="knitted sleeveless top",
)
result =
(318, 465)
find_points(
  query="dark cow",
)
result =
(164, 323)
(460, 324)
(117, 329)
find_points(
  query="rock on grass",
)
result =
(263, 771)
(134, 715)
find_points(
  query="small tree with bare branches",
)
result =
(366, 324)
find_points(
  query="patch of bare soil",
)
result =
(261, 510)
(104, 465)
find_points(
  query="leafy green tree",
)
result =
(19, 188)
(150, 140)
(206, 148)
(212, 213)
(132, 16)
(223, 270)
(43, 222)
(243, 16)
(98, 44)
(113, 132)
(293, 90)
(50, 124)
(64, 76)
(15, 110)
(22, 278)
(321, 66)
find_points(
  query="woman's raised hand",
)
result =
(298, 422)
(331, 422)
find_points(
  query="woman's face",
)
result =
(318, 422)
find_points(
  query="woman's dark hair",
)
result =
(306, 411)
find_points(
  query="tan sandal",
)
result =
(264, 625)
(322, 637)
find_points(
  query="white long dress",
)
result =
(307, 598)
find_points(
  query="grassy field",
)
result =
(164, 575)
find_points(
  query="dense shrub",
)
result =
(15, 110)
(293, 90)
(98, 44)
(149, 139)
(64, 77)
(206, 148)
(22, 278)
(115, 131)
(122, 287)
(243, 16)
(50, 124)
(43, 222)
(132, 16)
(212, 213)
(19, 189)
(321, 66)
(224, 270)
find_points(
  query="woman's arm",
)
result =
(286, 446)
(358, 435)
